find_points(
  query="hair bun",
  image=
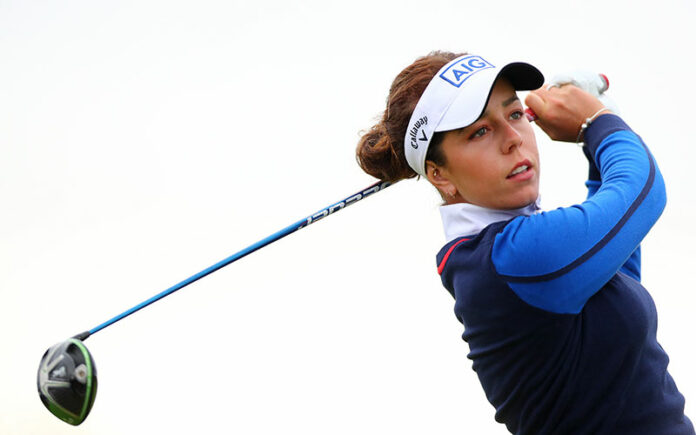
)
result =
(380, 151)
(376, 155)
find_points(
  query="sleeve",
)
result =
(594, 181)
(557, 260)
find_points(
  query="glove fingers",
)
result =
(588, 81)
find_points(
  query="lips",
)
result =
(520, 169)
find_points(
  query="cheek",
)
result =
(529, 138)
(480, 172)
(535, 153)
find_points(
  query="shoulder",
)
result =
(467, 253)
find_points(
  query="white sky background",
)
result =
(142, 141)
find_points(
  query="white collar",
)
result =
(469, 219)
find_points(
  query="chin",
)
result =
(505, 201)
(521, 202)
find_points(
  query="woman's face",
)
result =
(494, 162)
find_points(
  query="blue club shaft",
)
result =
(374, 188)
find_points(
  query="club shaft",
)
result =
(302, 223)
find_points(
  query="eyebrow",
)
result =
(504, 104)
(510, 100)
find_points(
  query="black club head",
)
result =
(67, 381)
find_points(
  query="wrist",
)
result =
(589, 121)
(601, 128)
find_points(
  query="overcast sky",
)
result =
(142, 141)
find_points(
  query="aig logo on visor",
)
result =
(457, 73)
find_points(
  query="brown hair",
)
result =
(380, 151)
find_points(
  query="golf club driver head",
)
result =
(67, 381)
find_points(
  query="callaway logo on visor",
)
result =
(413, 132)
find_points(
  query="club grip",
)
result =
(531, 116)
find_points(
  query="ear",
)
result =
(439, 177)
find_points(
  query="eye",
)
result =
(517, 115)
(478, 133)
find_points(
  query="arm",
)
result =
(594, 181)
(559, 259)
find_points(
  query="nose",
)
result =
(511, 138)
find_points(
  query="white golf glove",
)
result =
(592, 82)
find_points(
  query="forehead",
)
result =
(502, 89)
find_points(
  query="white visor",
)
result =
(456, 97)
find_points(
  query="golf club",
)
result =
(67, 376)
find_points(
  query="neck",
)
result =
(463, 219)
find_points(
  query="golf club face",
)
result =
(67, 381)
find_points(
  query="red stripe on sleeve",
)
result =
(441, 267)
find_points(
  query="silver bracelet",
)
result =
(587, 123)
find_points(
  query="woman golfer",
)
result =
(561, 333)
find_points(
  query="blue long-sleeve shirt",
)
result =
(561, 332)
